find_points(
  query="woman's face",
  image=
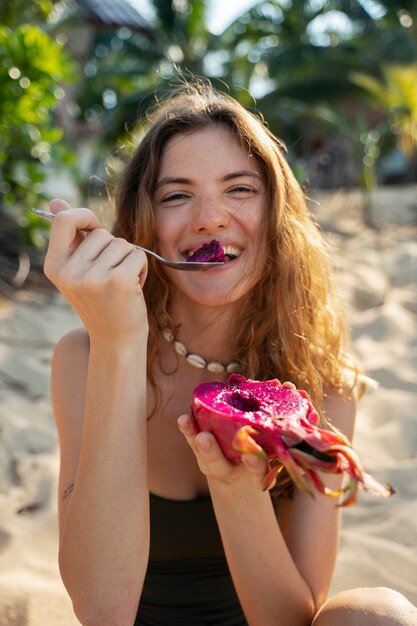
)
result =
(208, 188)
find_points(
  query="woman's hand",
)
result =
(215, 465)
(100, 275)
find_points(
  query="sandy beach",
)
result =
(376, 273)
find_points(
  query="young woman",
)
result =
(157, 527)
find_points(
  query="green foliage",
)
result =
(396, 94)
(16, 12)
(32, 68)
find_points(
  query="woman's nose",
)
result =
(210, 214)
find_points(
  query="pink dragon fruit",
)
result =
(279, 423)
(208, 252)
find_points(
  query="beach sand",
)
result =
(376, 273)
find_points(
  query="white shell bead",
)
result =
(168, 335)
(180, 348)
(215, 366)
(196, 360)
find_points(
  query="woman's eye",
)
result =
(243, 190)
(174, 196)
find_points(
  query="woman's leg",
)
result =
(373, 606)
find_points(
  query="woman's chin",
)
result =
(214, 295)
(218, 286)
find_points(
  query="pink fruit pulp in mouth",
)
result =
(208, 253)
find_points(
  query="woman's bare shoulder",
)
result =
(69, 375)
(75, 345)
(340, 410)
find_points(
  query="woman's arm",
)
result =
(311, 526)
(99, 407)
(269, 585)
(99, 401)
(281, 573)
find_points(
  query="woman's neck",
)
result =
(204, 330)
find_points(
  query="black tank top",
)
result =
(188, 582)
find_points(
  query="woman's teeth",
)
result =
(231, 251)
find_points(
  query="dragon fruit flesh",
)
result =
(208, 252)
(278, 423)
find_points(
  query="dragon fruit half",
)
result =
(278, 423)
(208, 252)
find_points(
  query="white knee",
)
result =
(369, 606)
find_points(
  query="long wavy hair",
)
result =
(291, 325)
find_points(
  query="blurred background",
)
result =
(335, 79)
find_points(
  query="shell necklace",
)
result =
(195, 359)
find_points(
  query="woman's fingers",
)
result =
(66, 227)
(110, 255)
(212, 461)
(135, 264)
(104, 268)
(100, 250)
(186, 427)
(58, 205)
(202, 443)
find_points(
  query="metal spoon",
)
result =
(188, 266)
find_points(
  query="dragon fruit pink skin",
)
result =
(208, 252)
(278, 423)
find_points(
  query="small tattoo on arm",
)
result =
(68, 490)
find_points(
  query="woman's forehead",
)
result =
(214, 147)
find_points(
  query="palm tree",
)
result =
(395, 96)
(298, 47)
(303, 55)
